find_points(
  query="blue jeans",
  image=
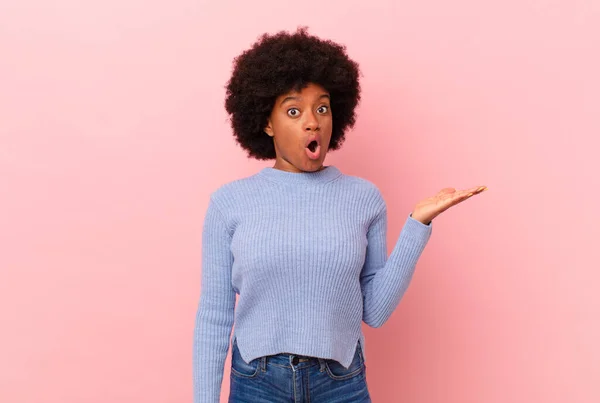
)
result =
(287, 378)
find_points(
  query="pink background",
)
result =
(113, 133)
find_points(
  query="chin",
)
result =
(317, 167)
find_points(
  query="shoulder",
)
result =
(363, 187)
(228, 194)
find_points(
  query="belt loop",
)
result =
(322, 364)
(263, 362)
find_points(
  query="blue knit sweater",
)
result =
(306, 252)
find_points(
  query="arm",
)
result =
(384, 280)
(214, 318)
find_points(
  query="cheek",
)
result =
(326, 125)
(326, 120)
(289, 135)
(282, 129)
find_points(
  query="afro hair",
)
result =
(277, 64)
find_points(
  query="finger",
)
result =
(465, 194)
(474, 190)
(461, 194)
(454, 197)
(450, 200)
(453, 193)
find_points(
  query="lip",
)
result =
(312, 138)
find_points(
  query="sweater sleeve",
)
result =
(384, 280)
(215, 314)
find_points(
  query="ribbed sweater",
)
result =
(306, 253)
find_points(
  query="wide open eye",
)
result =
(293, 112)
(323, 109)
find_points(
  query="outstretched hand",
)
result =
(426, 210)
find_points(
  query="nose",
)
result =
(311, 123)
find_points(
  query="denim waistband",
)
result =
(286, 359)
(303, 361)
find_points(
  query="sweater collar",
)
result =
(325, 175)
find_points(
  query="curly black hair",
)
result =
(277, 64)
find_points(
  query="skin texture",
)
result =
(294, 118)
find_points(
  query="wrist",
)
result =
(422, 220)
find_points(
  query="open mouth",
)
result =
(312, 146)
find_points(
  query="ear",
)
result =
(269, 128)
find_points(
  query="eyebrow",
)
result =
(296, 98)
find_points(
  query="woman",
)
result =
(302, 244)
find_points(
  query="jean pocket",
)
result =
(242, 368)
(338, 372)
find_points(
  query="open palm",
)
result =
(427, 209)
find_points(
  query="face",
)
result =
(300, 125)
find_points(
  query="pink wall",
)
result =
(113, 133)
